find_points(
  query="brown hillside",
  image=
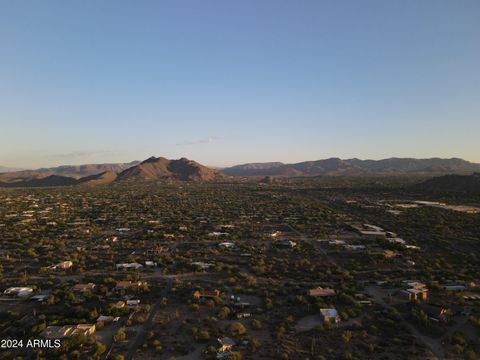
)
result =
(164, 169)
(106, 177)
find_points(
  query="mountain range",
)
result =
(160, 169)
(357, 167)
(68, 171)
(152, 169)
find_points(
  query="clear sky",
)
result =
(226, 82)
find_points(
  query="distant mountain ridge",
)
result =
(162, 169)
(79, 171)
(50, 180)
(69, 171)
(105, 177)
(357, 167)
(152, 169)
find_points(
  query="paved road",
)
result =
(142, 332)
(108, 338)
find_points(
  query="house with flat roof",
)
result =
(64, 265)
(39, 298)
(66, 331)
(133, 302)
(83, 287)
(119, 304)
(203, 294)
(127, 266)
(389, 254)
(107, 319)
(321, 292)
(416, 285)
(330, 315)
(125, 285)
(396, 240)
(202, 265)
(415, 294)
(369, 231)
(18, 291)
(415, 291)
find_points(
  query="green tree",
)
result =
(224, 312)
(237, 329)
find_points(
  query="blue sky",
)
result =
(226, 82)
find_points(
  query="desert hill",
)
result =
(162, 169)
(103, 178)
(460, 184)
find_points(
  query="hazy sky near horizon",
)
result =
(228, 82)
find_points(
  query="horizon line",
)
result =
(16, 168)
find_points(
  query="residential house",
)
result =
(119, 304)
(226, 345)
(107, 319)
(202, 294)
(133, 302)
(83, 287)
(286, 244)
(202, 265)
(330, 315)
(415, 294)
(415, 291)
(355, 247)
(241, 305)
(243, 315)
(126, 285)
(274, 234)
(389, 254)
(217, 233)
(416, 284)
(134, 266)
(66, 331)
(396, 240)
(370, 231)
(18, 291)
(321, 292)
(64, 265)
(39, 298)
(227, 245)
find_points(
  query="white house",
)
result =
(64, 265)
(18, 291)
(135, 266)
(133, 302)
